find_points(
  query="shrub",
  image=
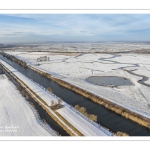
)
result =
(23, 92)
(52, 103)
(84, 112)
(93, 117)
(50, 90)
(59, 101)
(121, 134)
(27, 96)
(77, 107)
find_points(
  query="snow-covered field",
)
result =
(76, 68)
(80, 122)
(84, 47)
(17, 116)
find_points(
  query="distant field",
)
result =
(99, 47)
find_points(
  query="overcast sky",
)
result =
(74, 27)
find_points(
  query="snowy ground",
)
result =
(75, 69)
(79, 121)
(84, 47)
(17, 116)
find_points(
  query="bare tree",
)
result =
(52, 103)
(59, 101)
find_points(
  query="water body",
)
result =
(106, 118)
(109, 80)
(142, 81)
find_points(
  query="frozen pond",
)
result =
(109, 80)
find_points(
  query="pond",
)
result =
(109, 80)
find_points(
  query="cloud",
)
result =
(75, 26)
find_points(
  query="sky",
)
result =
(34, 28)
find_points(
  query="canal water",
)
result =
(106, 118)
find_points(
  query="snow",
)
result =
(84, 47)
(75, 69)
(79, 122)
(17, 116)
